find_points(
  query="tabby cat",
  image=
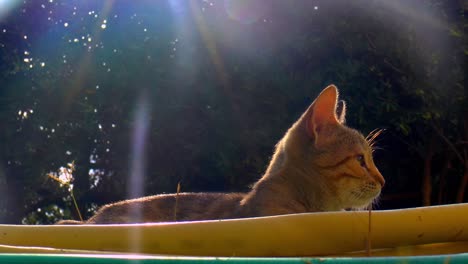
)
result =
(319, 165)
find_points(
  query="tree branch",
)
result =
(451, 146)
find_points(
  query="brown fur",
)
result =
(319, 165)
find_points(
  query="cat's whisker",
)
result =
(372, 136)
(376, 202)
(374, 148)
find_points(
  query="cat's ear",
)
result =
(323, 112)
(341, 111)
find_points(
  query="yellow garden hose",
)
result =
(312, 234)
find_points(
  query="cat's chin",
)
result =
(360, 207)
(360, 200)
(364, 203)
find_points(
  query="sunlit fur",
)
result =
(319, 165)
(324, 175)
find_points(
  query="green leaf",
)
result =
(455, 33)
(426, 115)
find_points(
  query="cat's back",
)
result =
(170, 207)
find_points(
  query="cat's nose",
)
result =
(379, 178)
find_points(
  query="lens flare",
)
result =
(6, 6)
(139, 142)
(245, 11)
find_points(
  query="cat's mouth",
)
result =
(364, 195)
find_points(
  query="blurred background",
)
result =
(132, 97)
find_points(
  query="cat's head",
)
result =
(339, 157)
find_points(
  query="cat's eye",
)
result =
(361, 160)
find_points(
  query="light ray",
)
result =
(213, 52)
(138, 146)
(84, 64)
(416, 12)
(136, 174)
(209, 43)
(6, 6)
